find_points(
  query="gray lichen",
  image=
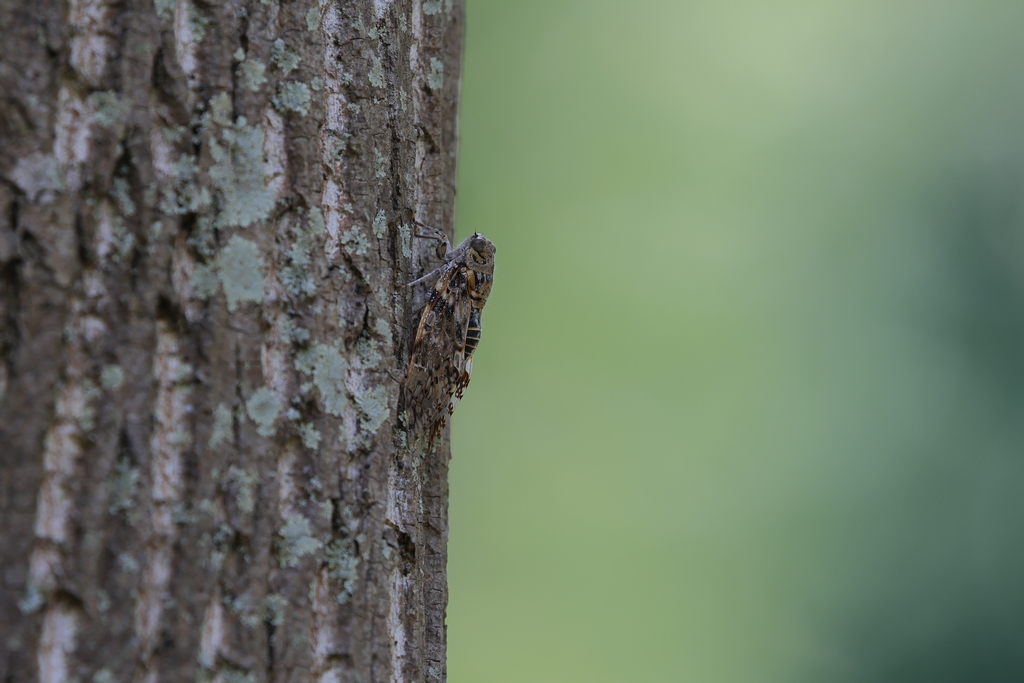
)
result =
(243, 484)
(405, 237)
(296, 275)
(284, 58)
(376, 74)
(124, 484)
(263, 409)
(204, 281)
(295, 539)
(342, 566)
(184, 194)
(369, 355)
(275, 608)
(293, 96)
(238, 175)
(112, 377)
(355, 241)
(221, 109)
(164, 8)
(111, 109)
(250, 74)
(310, 436)
(313, 19)
(373, 405)
(436, 77)
(121, 194)
(329, 368)
(86, 417)
(222, 426)
(240, 268)
(380, 224)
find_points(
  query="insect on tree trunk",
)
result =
(206, 223)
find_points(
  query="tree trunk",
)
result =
(206, 218)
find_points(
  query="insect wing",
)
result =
(438, 372)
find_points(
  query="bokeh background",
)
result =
(748, 405)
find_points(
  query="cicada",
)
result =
(448, 333)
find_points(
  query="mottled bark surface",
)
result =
(205, 223)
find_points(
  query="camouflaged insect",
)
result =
(448, 334)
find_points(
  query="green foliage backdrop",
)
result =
(748, 404)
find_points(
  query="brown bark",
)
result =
(205, 223)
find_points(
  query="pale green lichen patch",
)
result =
(240, 267)
(128, 564)
(381, 163)
(405, 237)
(227, 673)
(221, 109)
(355, 241)
(243, 484)
(377, 73)
(342, 566)
(296, 275)
(373, 404)
(112, 377)
(263, 409)
(204, 281)
(276, 604)
(316, 83)
(313, 19)
(197, 22)
(111, 109)
(165, 8)
(124, 484)
(204, 237)
(238, 174)
(184, 194)
(239, 55)
(366, 349)
(250, 74)
(329, 368)
(290, 332)
(310, 436)
(382, 327)
(86, 416)
(316, 222)
(223, 422)
(436, 77)
(431, 7)
(284, 58)
(295, 540)
(122, 196)
(293, 96)
(380, 224)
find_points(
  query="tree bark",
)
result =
(206, 216)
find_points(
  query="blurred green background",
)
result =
(748, 405)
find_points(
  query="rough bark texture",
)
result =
(205, 214)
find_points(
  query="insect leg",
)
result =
(444, 247)
(432, 273)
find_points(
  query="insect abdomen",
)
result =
(473, 332)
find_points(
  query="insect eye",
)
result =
(478, 243)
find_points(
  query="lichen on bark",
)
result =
(205, 218)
